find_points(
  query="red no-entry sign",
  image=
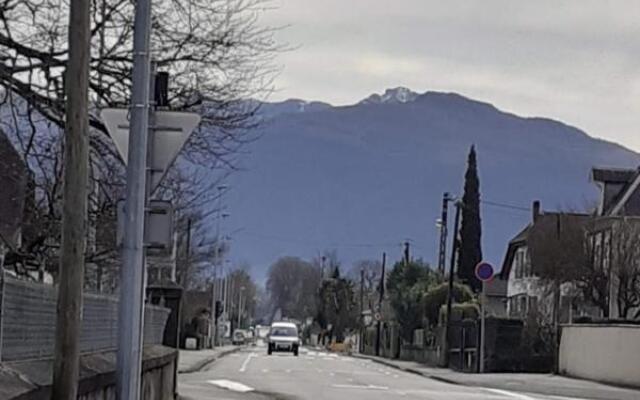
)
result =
(484, 271)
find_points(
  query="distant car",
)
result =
(239, 337)
(283, 336)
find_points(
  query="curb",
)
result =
(409, 370)
(203, 363)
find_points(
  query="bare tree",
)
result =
(218, 57)
(561, 253)
(292, 284)
(372, 270)
(625, 267)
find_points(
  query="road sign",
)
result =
(484, 271)
(158, 226)
(170, 132)
(378, 317)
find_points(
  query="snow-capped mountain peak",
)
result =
(395, 95)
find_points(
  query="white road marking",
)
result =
(231, 385)
(265, 371)
(366, 387)
(288, 371)
(246, 362)
(332, 374)
(513, 395)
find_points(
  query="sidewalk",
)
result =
(195, 360)
(545, 384)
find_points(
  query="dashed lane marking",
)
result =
(246, 362)
(231, 385)
(364, 387)
(513, 395)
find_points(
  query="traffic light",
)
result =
(219, 309)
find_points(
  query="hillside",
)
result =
(363, 178)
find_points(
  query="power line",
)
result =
(504, 205)
(318, 244)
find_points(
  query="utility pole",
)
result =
(242, 289)
(380, 299)
(556, 309)
(74, 212)
(362, 328)
(454, 252)
(442, 251)
(406, 253)
(132, 273)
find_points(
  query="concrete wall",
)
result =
(31, 380)
(606, 353)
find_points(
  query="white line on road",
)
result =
(366, 387)
(511, 394)
(231, 385)
(245, 364)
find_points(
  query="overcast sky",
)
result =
(575, 61)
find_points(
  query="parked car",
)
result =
(239, 337)
(283, 336)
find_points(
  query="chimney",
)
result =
(536, 210)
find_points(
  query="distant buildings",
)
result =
(606, 280)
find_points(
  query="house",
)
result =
(496, 294)
(613, 237)
(14, 177)
(528, 294)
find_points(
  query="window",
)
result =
(533, 304)
(528, 271)
(522, 307)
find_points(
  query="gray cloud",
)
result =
(576, 61)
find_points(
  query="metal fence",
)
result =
(28, 317)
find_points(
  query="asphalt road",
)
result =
(252, 374)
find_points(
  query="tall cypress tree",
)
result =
(470, 230)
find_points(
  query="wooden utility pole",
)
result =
(74, 208)
(407, 258)
(454, 253)
(380, 299)
(442, 251)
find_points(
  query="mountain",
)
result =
(361, 179)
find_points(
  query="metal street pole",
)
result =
(482, 320)
(454, 252)
(362, 328)
(130, 308)
(74, 207)
(442, 253)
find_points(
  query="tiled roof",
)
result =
(614, 175)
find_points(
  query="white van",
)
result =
(283, 336)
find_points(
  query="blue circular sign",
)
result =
(484, 271)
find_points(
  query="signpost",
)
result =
(155, 139)
(484, 273)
